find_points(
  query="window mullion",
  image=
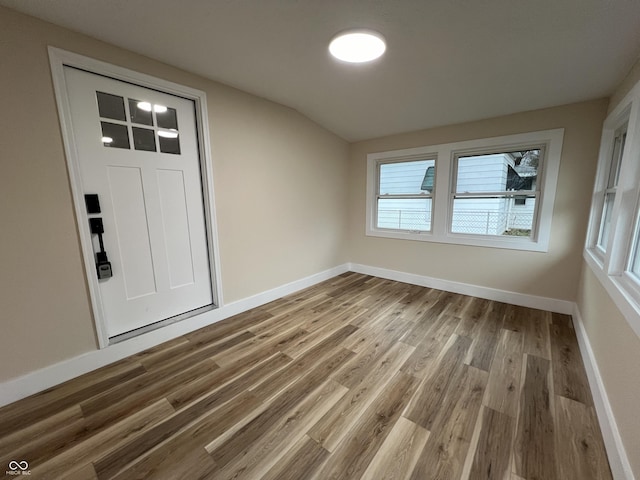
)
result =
(402, 196)
(441, 191)
(501, 194)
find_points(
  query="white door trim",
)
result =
(58, 59)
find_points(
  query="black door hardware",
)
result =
(103, 265)
(92, 203)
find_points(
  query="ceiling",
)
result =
(447, 61)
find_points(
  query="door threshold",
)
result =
(159, 324)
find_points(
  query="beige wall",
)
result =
(553, 274)
(615, 345)
(280, 185)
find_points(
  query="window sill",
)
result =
(506, 242)
(620, 294)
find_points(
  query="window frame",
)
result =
(612, 264)
(536, 193)
(429, 195)
(602, 184)
(550, 141)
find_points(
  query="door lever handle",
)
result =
(103, 265)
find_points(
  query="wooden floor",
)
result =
(357, 377)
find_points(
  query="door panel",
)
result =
(131, 231)
(175, 223)
(138, 150)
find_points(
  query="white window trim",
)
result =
(610, 266)
(395, 196)
(611, 125)
(430, 156)
(550, 140)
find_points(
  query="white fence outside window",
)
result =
(472, 221)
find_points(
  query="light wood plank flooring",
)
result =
(354, 378)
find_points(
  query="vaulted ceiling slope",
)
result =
(447, 61)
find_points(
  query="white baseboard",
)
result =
(39, 380)
(524, 300)
(618, 460)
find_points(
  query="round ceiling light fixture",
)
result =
(357, 46)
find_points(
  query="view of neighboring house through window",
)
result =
(484, 198)
(404, 198)
(612, 184)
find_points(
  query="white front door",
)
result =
(138, 152)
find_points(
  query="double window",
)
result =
(495, 192)
(613, 239)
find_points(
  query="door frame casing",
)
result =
(58, 59)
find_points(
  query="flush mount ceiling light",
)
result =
(357, 46)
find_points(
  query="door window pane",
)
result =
(139, 112)
(166, 118)
(114, 135)
(111, 106)
(144, 139)
(170, 143)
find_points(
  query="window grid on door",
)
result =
(127, 123)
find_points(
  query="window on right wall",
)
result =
(612, 248)
(608, 193)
